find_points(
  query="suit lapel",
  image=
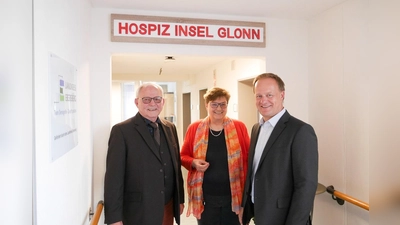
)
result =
(141, 127)
(253, 141)
(280, 126)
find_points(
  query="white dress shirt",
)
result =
(266, 128)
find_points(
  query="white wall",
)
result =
(63, 187)
(290, 63)
(16, 107)
(227, 75)
(332, 111)
(354, 93)
(383, 69)
(116, 102)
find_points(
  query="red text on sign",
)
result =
(192, 31)
(144, 29)
(239, 33)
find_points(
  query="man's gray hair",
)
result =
(150, 84)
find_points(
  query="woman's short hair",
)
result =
(216, 92)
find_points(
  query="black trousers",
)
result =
(218, 211)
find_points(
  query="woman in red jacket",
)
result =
(215, 152)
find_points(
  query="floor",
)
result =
(191, 220)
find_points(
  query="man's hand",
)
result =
(182, 206)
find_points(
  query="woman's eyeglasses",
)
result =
(147, 100)
(215, 105)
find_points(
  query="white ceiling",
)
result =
(186, 65)
(151, 64)
(290, 9)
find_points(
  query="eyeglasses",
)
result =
(215, 105)
(147, 100)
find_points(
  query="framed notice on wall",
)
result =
(63, 106)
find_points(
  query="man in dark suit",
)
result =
(282, 175)
(143, 181)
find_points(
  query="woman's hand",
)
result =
(200, 165)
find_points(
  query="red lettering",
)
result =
(200, 31)
(121, 27)
(151, 28)
(238, 33)
(228, 33)
(133, 28)
(142, 28)
(221, 32)
(208, 34)
(256, 34)
(246, 34)
(192, 31)
(165, 31)
(182, 30)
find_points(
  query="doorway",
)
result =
(202, 103)
(247, 111)
(186, 112)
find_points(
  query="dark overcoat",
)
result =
(134, 180)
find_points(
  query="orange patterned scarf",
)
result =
(235, 166)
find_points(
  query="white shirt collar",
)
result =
(274, 120)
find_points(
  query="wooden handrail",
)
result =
(97, 213)
(341, 197)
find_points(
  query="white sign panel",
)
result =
(174, 30)
(63, 106)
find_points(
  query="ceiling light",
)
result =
(169, 58)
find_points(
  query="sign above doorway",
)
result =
(174, 30)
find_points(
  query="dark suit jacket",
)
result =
(134, 180)
(287, 177)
